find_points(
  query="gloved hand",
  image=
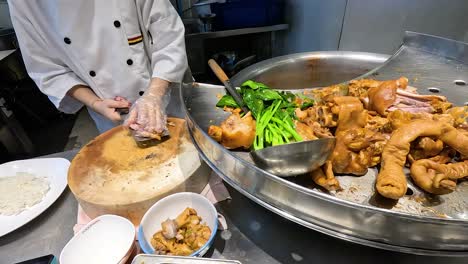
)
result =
(107, 107)
(148, 115)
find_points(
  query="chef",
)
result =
(106, 55)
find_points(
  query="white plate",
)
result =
(55, 169)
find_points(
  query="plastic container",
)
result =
(108, 239)
(247, 13)
(170, 207)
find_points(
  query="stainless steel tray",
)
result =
(408, 226)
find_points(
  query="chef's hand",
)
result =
(107, 107)
(148, 115)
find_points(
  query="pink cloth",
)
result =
(215, 191)
(81, 220)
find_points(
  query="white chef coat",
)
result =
(112, 46)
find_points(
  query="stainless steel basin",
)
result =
(310, 70)
(357, 221)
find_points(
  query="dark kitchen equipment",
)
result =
(8, 39)
(207, 22)
(235, 14)
(231, 63)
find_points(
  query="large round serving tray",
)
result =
(409, 226)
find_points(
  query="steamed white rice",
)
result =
(20, 192)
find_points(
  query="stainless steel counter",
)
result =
(255, 235)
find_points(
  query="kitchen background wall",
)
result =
(357, 25)
(369, 25)
(314, 25)
(378, 25)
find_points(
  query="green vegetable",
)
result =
(254, 85)
(306, 105)
(306, 101)
(268, 136)
(288, 127)
(253, 103)
(274, 112)
(227, 100)
(288, 96)
(268, 94)
(262, 122)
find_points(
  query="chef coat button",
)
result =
(67, 40)
(141, 93)
(92, 73)
(117, 23)
(129, 62)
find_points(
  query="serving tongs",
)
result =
(285, 160)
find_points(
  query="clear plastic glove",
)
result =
(148, 115)
(107, 107)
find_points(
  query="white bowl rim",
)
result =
(132, 244)
(148, 248)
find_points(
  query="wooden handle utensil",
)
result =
(218, 71)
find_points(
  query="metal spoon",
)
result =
(294, 158)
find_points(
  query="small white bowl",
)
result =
(106, 239)
(170, 207)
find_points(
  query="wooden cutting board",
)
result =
(112, 175)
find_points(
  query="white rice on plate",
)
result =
(20, 192)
